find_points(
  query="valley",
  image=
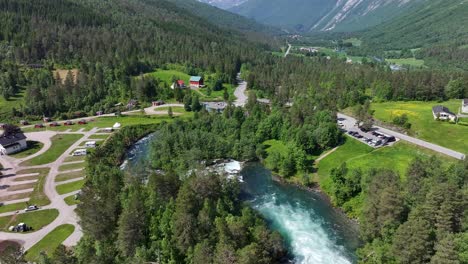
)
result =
(233, 131)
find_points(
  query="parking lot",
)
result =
(373, 138)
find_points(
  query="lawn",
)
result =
(50, 242)
(37, 196)
(36, 219)
(70, 187)
(99, 136)
(69, 176)
(75, 158)
(166, 76)
(423, 124)
(409, 61)
(175, 109)
(33, 147)
(60, 143)
(72, 166)
(359, 155)
(70, 200)
(7, 106)
(12, 207)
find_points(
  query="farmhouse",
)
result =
(196, 82)
(464, 106)
(179, 84)
(443, 113)
(12, 142)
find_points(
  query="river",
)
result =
(313, 230)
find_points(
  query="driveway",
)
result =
(419, 142)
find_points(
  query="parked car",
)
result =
(39, 126)
(54, 124)
(24, 122)
(68, 123)
(82, 122)
(21, 227)
(358, 135)
(46, 119)
(31, 208)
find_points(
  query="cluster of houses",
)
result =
(308, 49)
(443, 113)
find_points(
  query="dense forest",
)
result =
(164, 217)
(331, 83)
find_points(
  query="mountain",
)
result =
(224, 4)
(323, 15)
(435, 31)
(222, 18)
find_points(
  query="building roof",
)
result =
(180, 82)
(441, 109)
(195, 78)
(7, 140)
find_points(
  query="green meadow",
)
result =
(423, 125)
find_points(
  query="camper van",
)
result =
(80, 152)
(90, 144)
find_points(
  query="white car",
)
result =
(31, 208)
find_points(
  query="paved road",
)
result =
(413, 140)
(239, 93)
(287, 51)
(152, 110)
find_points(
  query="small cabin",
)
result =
(12, 142)
(178, 84)
(443, 113)
(464, 106)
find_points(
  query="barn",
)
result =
(196, 82)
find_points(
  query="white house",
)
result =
(443, 113)
(464, 106)
(12, 143)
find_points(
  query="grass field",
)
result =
(423, 124)
(101, 136)
(72, 166)
(359, 155)
(60, 143)
(33, 147)
(36, 219)
(70, 200)
(175, 109)
(409, 61)
(75, 158)
(6, 106)
(50, 242)
(69, 176)
(69, 187)
(166, 76)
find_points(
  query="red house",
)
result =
(196, 82)
(179, 84)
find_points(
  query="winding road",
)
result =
(287, 51)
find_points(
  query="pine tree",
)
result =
(445, 251)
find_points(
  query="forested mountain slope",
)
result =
(323, 15)
(223, 18)
(438, 28)
(107, 42)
